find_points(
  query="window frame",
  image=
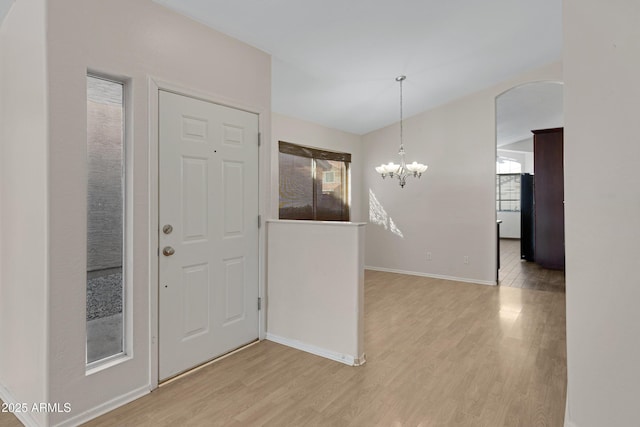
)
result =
(125, 182)
(500, 199)
(315, 154)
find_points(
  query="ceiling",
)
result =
(525, 108)
(334, 62)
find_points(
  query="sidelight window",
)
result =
(105, 219)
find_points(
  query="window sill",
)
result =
(106, 363)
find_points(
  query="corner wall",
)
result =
(316, 288)
(450, 211)
(602, 211)
(133, 40)
(23, 193)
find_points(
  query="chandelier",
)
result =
(403, 170)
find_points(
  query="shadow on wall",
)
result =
(379, 216)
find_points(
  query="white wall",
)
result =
(512, 155)
(510, 227)
(450, 211)
(602, 211)
(316, 288)
(524, 145)
(522, 157)
(302, 132)
(5, 5)
(528, 163)
(23, 190)
(2, 139)
(132, 40)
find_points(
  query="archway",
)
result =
(519, 111)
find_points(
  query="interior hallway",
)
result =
(517, 273)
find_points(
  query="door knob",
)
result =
(168, 251)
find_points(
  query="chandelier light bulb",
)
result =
(413, 167)
(391, 168)
(416, 167)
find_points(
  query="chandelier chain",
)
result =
(401, 124)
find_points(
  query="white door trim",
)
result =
(154, 86)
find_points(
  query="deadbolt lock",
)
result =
(167, 229)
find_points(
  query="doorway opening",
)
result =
(520, 111)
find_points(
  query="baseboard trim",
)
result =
(24, 417)
(567, 413)
(104, 408)
(433, 276)
(328, 354)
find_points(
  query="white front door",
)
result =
(208, 217)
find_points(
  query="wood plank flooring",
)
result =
(439, 353)
(8, 420)
(517, 273)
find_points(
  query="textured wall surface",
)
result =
(602, 208)
(25, 226)
(131, 41)
(450, 212)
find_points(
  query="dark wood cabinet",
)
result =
(549, 197)
(527, 218)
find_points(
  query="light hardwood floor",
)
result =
(516, 273)
(439, 353)
(8, 420)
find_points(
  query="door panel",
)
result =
(235, 289)
(208, 193)
(194, 201)
(195, 279)
(233, 174)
